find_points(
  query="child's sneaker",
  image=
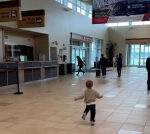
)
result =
(84, 116)
(92, 123)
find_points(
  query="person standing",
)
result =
(148, 71)
(80, 64)
(103, 64)
(119, 64)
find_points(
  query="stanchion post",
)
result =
(17, 76)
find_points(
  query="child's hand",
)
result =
(101, 96)
(75, 99)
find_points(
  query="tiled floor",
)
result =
(48, 107)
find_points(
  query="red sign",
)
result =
(100, 20)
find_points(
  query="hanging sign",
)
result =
(107, 11)
(32, 18)
(10, 10)
(80, 37)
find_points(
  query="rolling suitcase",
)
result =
(98, 72)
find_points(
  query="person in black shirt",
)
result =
(119, 64)
(148, 71)
(103, 64)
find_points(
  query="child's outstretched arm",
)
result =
(80, 97)
(98, 95)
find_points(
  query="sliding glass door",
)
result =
(78, 51)
(137, 54)
(145, 53)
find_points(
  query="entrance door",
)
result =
(145, 53)
(77, 51)
(137, 54)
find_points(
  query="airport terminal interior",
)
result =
(40, 42)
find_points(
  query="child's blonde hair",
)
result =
(89, 83)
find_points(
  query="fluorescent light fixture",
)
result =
(78, 9)
(82, 11)
(70, 5)
(123, 24)
(146, 22)
(137, 23)
(112, 24)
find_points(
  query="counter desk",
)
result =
(28, 71)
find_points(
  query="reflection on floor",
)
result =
(48, 107)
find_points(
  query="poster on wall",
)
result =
(110, 11)
(10, 10)
(32, 18)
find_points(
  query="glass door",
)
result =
(73, 56)
(77, 51)
(145, 53)
(137, 54)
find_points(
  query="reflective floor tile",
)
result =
(141, 106)
(128, 132)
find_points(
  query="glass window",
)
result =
(95, 51)
(78, 3)
(72, 1)
(70, 5)
(90, 9)
(90, 16)
(83, 6)
(74, 7)
(78, 9)
(78, 6)
(60, 1)
(82, 11)
(137, 54)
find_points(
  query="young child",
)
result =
(89, 96)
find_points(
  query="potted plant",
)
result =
(110, 51)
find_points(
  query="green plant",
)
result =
(110, 51)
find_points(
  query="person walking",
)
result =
(103, 64)
(80, 65)
(148, 71)
(119, 64)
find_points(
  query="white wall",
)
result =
(16, 39)
(120, 34)
(59, 23)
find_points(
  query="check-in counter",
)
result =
(28, 71)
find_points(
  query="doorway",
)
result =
(81, 49)
(82, 53)
(137, 54)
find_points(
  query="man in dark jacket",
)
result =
(119, 64)
(148, 71)
(103, 64)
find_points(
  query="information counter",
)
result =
(28, 71)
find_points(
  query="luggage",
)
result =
(98, 72)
